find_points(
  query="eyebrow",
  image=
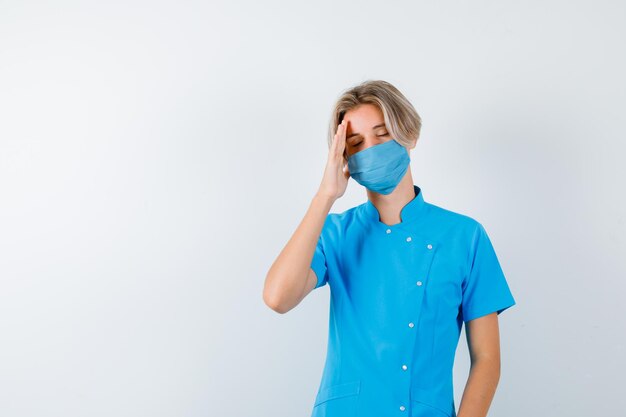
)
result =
(356, 133)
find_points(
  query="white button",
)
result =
(429, 246)
(408, 239)
(411, 324)
(419, 283)
(404, 367)
(388, 231)
(402, 408)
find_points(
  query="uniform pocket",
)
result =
(339, 400)
(426, 403)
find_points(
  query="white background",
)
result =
(156, 156)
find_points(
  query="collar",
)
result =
(411, 211)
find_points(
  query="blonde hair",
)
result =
(401, 119)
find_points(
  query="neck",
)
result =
(389, 206)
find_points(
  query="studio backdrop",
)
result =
(155, 158)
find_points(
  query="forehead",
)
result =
(364, 113)
(363, 119)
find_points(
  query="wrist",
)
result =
(325, 199)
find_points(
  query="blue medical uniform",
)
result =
(398, 298)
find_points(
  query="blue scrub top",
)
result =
(398, 298)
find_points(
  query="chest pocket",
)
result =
(339, 400)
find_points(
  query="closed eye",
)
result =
(358, 143)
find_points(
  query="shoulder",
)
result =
(465, 234)
(337, 224)
(449, 221)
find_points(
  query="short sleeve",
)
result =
(318, 264)
(485, 289)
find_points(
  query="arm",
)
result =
(483, 340)
(291, 278)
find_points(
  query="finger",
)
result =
(333, 146)
(340, 139)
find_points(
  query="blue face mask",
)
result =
(380, 167)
